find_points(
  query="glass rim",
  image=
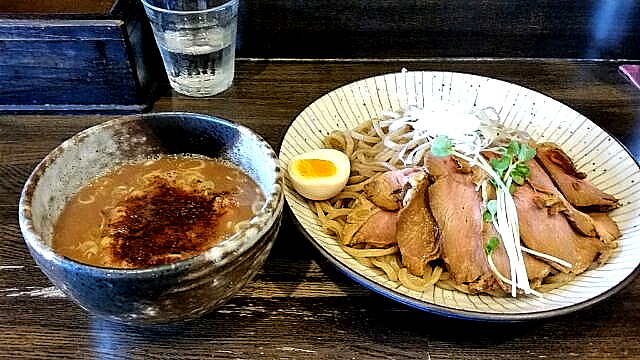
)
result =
(189, 12)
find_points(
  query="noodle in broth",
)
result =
(156, 211)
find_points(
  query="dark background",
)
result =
(328, 29)
(584, 29)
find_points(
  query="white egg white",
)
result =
(321, 188)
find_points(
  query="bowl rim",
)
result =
(217, 256)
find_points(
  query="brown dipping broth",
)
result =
(155, 211)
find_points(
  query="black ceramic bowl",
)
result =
(165, 293)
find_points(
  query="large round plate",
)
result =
(606, 162)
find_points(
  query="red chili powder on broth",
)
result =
(158, 226)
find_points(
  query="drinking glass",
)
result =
(197, 40)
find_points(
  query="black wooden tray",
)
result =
(70, 56)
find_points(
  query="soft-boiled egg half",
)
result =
(319, 174)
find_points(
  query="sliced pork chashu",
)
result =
(387, 190)
(572, 183)
(537, 270)
(457, 208)
(546, 228)
(417, 233)
(372, 223)
(555, 201)
(368, 226)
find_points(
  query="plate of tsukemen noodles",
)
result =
(464, 196)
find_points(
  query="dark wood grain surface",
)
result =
(298, 307)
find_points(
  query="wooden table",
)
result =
(298, 307)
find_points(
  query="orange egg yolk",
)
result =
(315, 168)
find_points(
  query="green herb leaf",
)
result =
(517, 179)
(521, 169)
(492, 206)
(441, 146)
(513, 161)
(490, 212)
(525, 153)
(500, 165)
(520, 173)
(491, 245)
(487, 217)
(514, 148)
